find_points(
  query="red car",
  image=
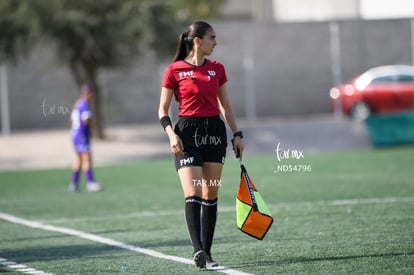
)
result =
(379, 90)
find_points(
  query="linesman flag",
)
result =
(253, 216)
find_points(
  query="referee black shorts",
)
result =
(204, 140)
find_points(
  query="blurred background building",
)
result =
(317, 10)
(282, 57)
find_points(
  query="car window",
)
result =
(385, 78)
(405, 78)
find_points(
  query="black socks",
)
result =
(192, 218)
(201, 227)
(209, 218)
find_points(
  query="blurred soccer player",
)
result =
(80, 133)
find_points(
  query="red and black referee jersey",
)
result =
(195, 87)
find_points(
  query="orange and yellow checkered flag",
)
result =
(253, 216)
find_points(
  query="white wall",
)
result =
(314, 10)
(380, 9)
(322, 10)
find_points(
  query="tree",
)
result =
(90, 35)
(93, 34)
(17, 28)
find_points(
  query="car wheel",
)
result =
(360, 111)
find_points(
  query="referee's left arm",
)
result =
(226, 110)
(228, 115)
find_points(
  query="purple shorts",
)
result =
(81, 144)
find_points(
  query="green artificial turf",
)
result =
(344, 213)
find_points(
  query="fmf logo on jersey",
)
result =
(186, 161)
(187, 74)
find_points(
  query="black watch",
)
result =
(238, 134)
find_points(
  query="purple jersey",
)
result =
(80, 129)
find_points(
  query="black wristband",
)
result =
(165, 121)
(238, 134)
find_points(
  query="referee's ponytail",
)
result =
(186, 39)
(181, 52)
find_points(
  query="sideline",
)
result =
(107, 241)
(45, 149)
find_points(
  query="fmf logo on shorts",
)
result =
(186, 161)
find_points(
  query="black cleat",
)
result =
(200, 258)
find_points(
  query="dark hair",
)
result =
(185, 41)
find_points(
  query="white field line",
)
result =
(110, 242)
(22, 268)
(283, 205)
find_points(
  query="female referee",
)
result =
(198, 140)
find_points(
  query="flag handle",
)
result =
(237, 152)
(247, 180)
